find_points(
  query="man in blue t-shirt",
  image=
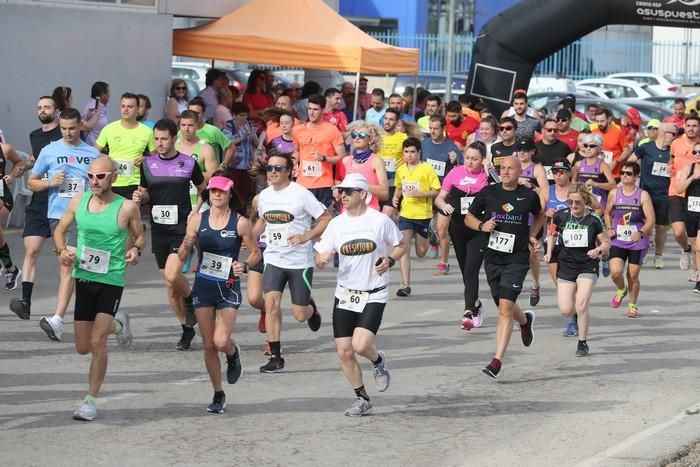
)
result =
(653, 158)
(440, 153)
(61, 168)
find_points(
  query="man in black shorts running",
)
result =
(503, 210)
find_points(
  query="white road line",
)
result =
(20, 422)
(637, 437)
(196, 379)
(116, 397)
(430, 312)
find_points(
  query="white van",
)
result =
(550, 84)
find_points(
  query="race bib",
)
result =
(575, 238)
(277, 235)
(2, 188)
(625, 232)
(464, 203)
(125, 168)
(216, 266)
(608, 156)
(660, 169)
(548, 171)
(71, 187)
(501, 241)
(94, 260)
(311, 168)
(438, 167)
(165, 214)
(409, 187)
(694, 203)
(390, 164)
(352, 300)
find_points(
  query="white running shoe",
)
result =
(124, 338)
(87, 411)
(684, 262)
(53, 327)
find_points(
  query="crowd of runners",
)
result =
(277, 182)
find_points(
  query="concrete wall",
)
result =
(42, 47)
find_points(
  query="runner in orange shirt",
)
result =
(616, 150)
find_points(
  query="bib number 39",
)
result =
(215, 266)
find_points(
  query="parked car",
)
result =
(667, 101)
(193, 71)
(647, 107)
(594, 91)
(617, 108)
(539, 84)
(539, 99)
(433, 83)
(660, 84)
(620, 87)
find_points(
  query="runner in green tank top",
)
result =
(104, 221)
(189, 143)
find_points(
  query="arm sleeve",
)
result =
(102, 138)
(447, 182)
(151, 142)
(222, 140)
(392, 235)
(40, 166)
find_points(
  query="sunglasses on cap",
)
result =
(358, 134)
(276, 168)
(627, 172)
(99, 176)
(348, 191)
(505, 128)
(590, 146)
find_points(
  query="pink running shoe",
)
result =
(617, 299)
(468, 321)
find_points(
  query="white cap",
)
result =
(354, 180)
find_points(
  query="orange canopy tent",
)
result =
(297, 33)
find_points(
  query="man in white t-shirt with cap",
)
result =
(368, 243)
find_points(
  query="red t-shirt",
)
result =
(459, 134)
(336, 118)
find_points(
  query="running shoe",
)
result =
(314, 321)
(185, 342)
(433, 239)
(53, 327)
(468, 321)
(124, 338)
(534, 296)
(605, 267)
(404, 291)
(478, 315)
(218, 404)
(582, 349)
(433, 251)
(443, 269)
(20, 307)
(693, 276)
(267, 350)
(571, 328)
(86, 412)
(12, 278)
(261, 323)
(361, 407)
(632, 311)
(273, 365)
(234, 368)
(381, 374)
(190, 317)
(617, 298)
(658, 262)
(527, 333)
(493, 368)
(684, 261)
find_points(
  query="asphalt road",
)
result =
(629, 403)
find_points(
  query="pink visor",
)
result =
(220, 183)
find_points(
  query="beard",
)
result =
(46, 119)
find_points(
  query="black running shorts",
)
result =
(345, 321)
(95, 297)
(275, 279)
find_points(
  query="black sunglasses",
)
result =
(562, 119)
(505, 128)
(348, 191)
(550, 130)
(181, 88)
(590, 146)
(696, 152)
(627, 172)
(276, 168)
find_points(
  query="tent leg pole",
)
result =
(357, 96)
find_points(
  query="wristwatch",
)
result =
(139, 249)
(481, 224)
(392, 261)
(245, 267)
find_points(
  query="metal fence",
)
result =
(585, 58)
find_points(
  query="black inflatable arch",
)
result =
(510, 45)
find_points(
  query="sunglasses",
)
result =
(696, 152)
(652, 128)
(360, 134)
(183, 88)
(276, 168)
(574, 202)
(99, 176)
(550, 130)
(590, 146)
(505, 128)
(558, 171)
(348, 191)
(627, 172)
(562, 119)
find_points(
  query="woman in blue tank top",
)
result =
(216, 293)
(629, 218)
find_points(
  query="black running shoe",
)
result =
(20, 307)
(526, 331)
(12, 278)
(534, 296)
(695, 290)
(234, 369)
(190, 317)
(493, 368)
(582, 349)
(273, 365)
(185, 341)
(218, 404)
(404, 291)
(314, 321)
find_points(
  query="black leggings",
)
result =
(469, 246)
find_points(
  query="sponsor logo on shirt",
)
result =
(227, 233)
(507, 207)
(358, 247)
(278, 217)
(73, 160)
